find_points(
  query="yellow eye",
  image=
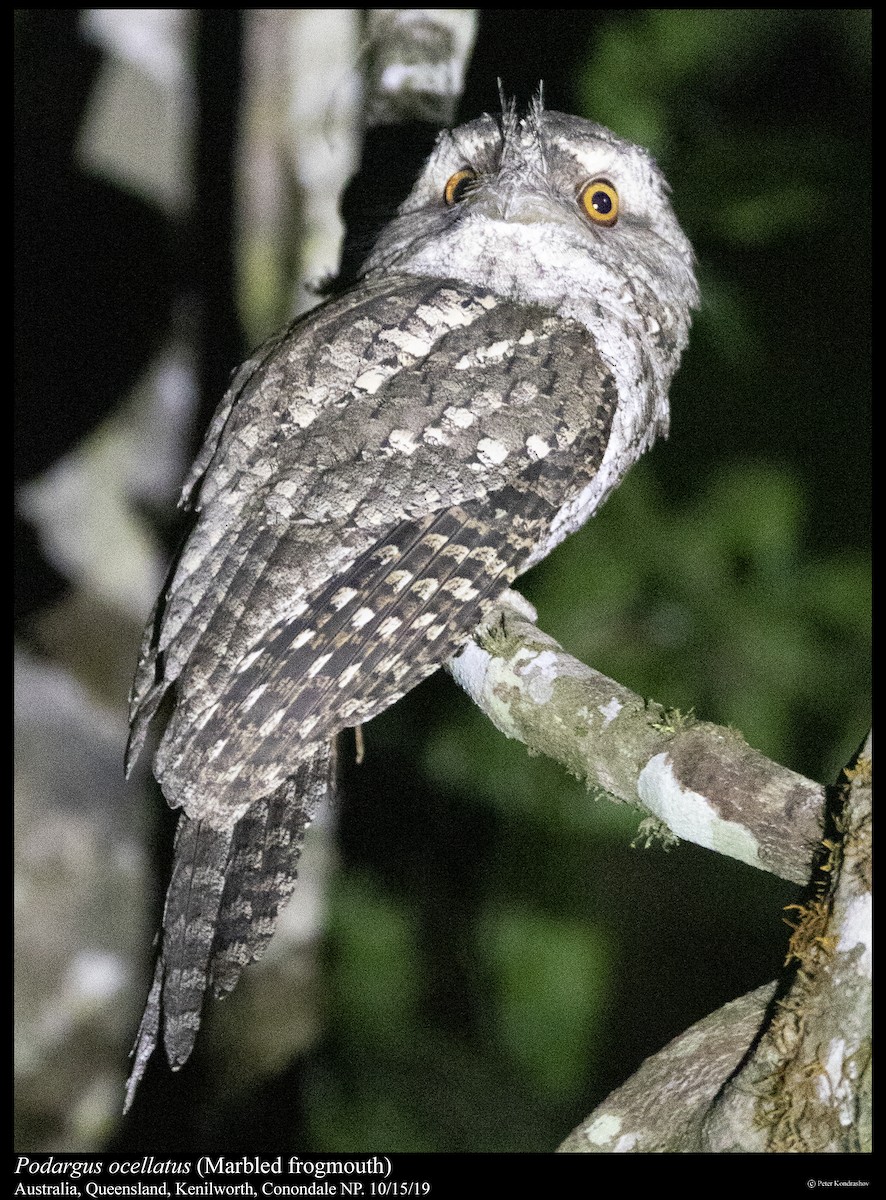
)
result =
(599, 200)
(459, 185)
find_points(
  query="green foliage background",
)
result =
(499, 957)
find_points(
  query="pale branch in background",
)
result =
(700, 780)
(415, 63)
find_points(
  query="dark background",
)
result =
(498, 958)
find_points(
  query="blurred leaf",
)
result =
(839, 593)
(549, 975)
(768, 215)
(376, 971)
(728, 320)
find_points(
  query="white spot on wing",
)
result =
(602, 1130)
(434, 436)
(342, 596)
(403, 440)
(253, 696)
(387, 663)
(415, 346)
(300, 606)
(495, 352)
(626, 1143)
(460, 589)
(206, 717)
(462, 417)
(370, 381)
(425, 588)
(272, 722)
(318, 664)
(361, 616)
(216, 749)
(250, 659)
(399, 579)
(303, 415)
(537, 447)
(348, 674)
(491, 452)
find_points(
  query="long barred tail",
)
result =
(222, 905)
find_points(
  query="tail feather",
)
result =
(146, 1038)
(263, 867)
(224, 898)
(192, 906)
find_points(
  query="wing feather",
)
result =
(370, 636)
(432, 434)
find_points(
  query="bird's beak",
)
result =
(516, 207)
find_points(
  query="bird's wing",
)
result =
(377, 478)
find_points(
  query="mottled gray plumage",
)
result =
(375, 477)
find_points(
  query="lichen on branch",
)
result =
(700, 780)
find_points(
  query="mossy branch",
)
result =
(703, 782)
(783, 1068)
